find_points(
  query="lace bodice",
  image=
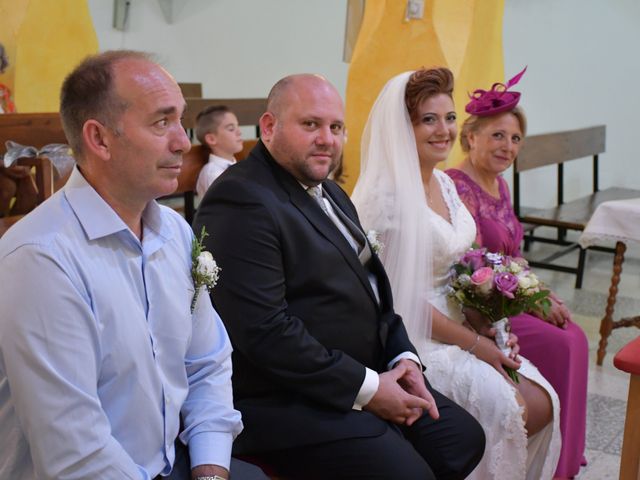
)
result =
(450, 241)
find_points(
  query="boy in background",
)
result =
(217, 128)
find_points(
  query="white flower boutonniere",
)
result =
(374, 240)
(204, 269)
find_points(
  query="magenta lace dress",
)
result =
(560, 355)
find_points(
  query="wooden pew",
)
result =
(192, 163)
(43, 175)
(248, 111)
(190, 89)
(37, 130)
(33, 129)
(556, 149)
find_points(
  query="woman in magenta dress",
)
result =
(491, 138)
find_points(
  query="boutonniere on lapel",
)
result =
(204, 269)
(374, 240)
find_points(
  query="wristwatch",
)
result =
(215, 477)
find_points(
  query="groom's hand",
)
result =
(413, 382)
(391, 401)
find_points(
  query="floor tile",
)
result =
(602, 466)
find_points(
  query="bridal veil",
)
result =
(390, 199)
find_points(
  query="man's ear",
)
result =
(267, 126)
(96, 139)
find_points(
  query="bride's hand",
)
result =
(477, 322)
(489, 352)
(515, 347)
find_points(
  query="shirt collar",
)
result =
(97, 217)
(307, 187)
(223, 162)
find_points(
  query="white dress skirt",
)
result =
(476, 385)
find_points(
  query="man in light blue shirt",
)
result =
(100, 353)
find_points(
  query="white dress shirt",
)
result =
(212, 170)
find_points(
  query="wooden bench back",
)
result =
(196, 158)
(191, 89)
(43, 176)
(192, 163)
(248, 110)
(554, 148)
(35, 129)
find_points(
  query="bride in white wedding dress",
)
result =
(425, 228)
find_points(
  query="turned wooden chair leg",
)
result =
(606, 325)
(582, 258)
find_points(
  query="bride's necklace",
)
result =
(427, 190)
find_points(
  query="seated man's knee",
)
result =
(471, 444)
(453, 445)
(393, 456)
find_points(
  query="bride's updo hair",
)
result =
(425, 83)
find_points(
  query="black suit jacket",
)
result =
(298, 306)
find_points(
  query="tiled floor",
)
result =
(607, 386)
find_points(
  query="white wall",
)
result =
(583, 71)
(583, 68)
(235, 48)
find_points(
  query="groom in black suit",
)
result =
(327, 381)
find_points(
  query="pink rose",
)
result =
(483, 279)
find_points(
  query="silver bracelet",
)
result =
(473, 347)
(215, 477)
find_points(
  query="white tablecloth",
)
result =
(618, 220)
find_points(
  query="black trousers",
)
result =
(239, 470)
(448, 448)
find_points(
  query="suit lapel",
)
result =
(353, 258)
(322, 223)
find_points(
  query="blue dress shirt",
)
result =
(99, 352)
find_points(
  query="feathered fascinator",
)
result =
(499, 99)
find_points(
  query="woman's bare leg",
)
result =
(538, 407)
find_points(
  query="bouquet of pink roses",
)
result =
(499, 287)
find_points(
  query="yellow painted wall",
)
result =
(12, 14)
(44, 39)
(464, 35)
